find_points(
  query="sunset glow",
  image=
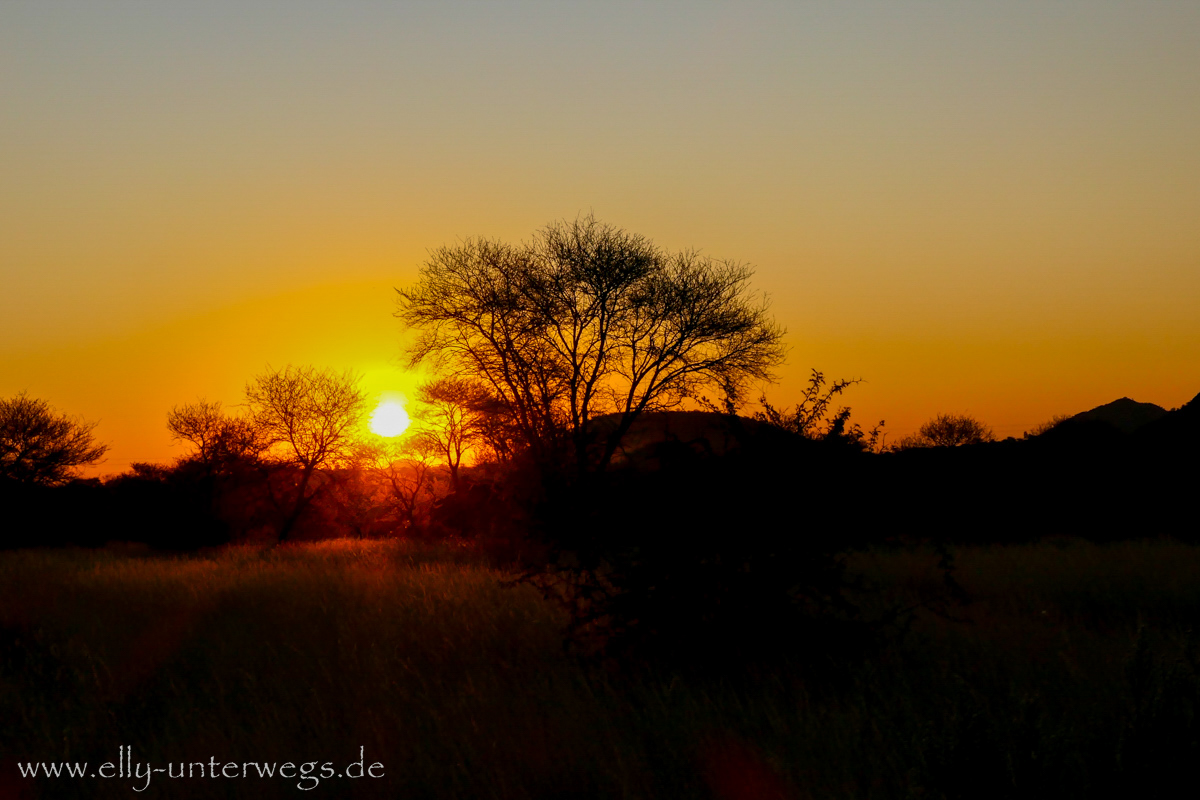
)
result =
(419, 387)
(389, 418)
(984, 208)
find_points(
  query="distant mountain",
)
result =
(1125, 415)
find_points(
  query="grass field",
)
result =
(1073, 672)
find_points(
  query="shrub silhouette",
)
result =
(707, 559)
(814, 417)
(948, 430)
(1047, 426)
(38, 445)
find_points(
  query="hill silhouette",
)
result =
(704, 432)
(1177, 430)
(1124, 469)
(1125, 415)
(1104, 428)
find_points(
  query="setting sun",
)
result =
(389, 418)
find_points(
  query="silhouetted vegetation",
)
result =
(815, 417)
(708, 559)
(746, 602)
(948, 430)
(222, 441)
(586, 320)
(1043, 427)
(39, 446)
(461, 417)
(311, 418)
(166, 508)
(776, 600)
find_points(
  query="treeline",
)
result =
(1081, 477)
(706, 527)
(188, 506)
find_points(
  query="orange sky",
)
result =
(986, 208)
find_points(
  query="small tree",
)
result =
(311, 418)
(1048, 425)
(407, 468)
(948, 430)
(814, 417)
(38, 445)
(219, 439)
(455, 416)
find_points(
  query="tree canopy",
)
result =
(458, 416)
(948, 430)
(312, 418)
(219, 438)
(584, 320)
(38, 445)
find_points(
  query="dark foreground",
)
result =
(1073, 672)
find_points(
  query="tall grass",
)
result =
(1072, 672)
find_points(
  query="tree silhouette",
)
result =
(948, 430)
(407, 468)
(40, 446)
(584, 320)
(456, 415)
(311, 419)
(219, 439)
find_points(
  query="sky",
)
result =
(981, 208)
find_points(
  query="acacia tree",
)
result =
(38, 445)
(948, 430)
(220, 439)
(585, 320)
(311, 418)
(477, 322)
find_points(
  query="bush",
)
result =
(708, 559)
(948, 430)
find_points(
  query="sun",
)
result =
(389, 418)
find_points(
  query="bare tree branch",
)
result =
(312, 418)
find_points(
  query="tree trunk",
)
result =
(298, 507)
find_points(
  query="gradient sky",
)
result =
(985, 208)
